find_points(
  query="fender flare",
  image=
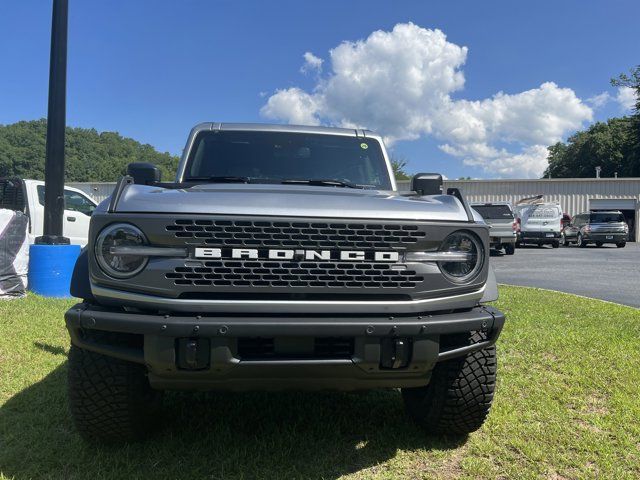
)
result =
(80, 283)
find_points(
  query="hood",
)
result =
(289, 201)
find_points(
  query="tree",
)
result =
(632, 81)
(602, 144)
(399, 164)
(614, 145)
(90, 156)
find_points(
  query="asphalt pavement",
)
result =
(607, 273)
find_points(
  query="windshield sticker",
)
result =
(364, 146)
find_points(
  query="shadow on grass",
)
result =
(256, 435)
(52, 349)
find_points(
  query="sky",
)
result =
(466, 88)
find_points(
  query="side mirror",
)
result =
(427, 183)
(144, 173)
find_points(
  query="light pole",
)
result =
(56, 122)
(51, 258)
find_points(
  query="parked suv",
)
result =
(282, 257)
(596, 227)
(502, 226)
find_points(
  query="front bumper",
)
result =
(116, 298)
(155, 341)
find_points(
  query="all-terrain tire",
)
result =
(110, 399)
(458, 397)
(509, 248)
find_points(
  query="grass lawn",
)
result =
(567, 406)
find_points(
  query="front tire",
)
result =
(110, 399)
(458, 398)
(509, 249)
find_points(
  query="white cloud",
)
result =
(294, 105)
(400, 84)
(600, 100)
(311, 63)
(626, 97)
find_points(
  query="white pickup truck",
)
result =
(27, 196)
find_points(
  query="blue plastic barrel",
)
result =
(50, 269)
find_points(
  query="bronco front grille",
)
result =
(294, 234)
(250, 273)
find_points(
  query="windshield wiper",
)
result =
(221, 179)
(322, 182)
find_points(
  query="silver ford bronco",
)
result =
(281, 257)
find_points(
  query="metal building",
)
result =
(575, 195)
(97, 190)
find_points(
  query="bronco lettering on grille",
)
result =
(297, 254)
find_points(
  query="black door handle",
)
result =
(71, 219)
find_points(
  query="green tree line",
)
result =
(90, 156)
(613, 145)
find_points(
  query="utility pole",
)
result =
(52, 258)
(56, 122)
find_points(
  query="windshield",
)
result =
(538, 211)
(494, 211)
(267, 157)
(606, 217)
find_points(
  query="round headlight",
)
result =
(120, 265)
(468, 265)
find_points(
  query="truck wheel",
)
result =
(621, 244)
(509, 248)
(458, 397)
(110, 399)
(598, 244)
(555, 244)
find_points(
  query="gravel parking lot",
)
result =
(607, 273)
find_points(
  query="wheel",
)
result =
(509, 248)
(581, 243)
(110, 399)
(555, 244)
(598, 244)
(458, 397)
(565, 242)
(621, 244)
(518, 244)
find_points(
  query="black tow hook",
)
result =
(395, 353)
(193, 353)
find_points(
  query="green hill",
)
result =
(90, 156)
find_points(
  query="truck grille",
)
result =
(294, 234)
(234, 273)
